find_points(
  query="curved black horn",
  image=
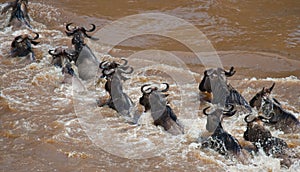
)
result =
(19, 39)
(125, 62)
(36, 36)
(142, 88)
(204, 111)
(104, 64)
(68, 27)
(127, 72)
(51, 52)
(92, 29)
(229, 112)
(167, 87)
(246, 118)
(231, 72)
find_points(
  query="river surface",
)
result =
(49, 126)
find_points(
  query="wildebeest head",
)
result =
(114, 75)
(214, 74)
(21, 45)
(256, 101)
(147, 90)
(79, 33)
(19, 13)
(112, 65)
(60, 56)
(108, 68)
(215, 118)
(110, 72)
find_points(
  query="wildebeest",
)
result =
(86, 61)
(215, 82)
(119, 100)
(21, 46)
(19, 14)
(144, 100)
(261, 137)
(277, 116)
(61, 56)
(104, 65)
(221, 141)
(155, 100)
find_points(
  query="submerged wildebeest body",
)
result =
(261, 137)
(21, 46)
(19, 14)
(221, 141)
(215, 82)
(155, 100)
(86, 61)
(277, 116)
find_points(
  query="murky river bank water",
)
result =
(47, 126)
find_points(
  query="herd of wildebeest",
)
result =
(262, 109)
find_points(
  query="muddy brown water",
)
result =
(48, 126)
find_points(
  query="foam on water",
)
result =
(37, 89)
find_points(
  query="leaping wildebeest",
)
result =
(21, 46)
(271, 108)
(215, 81)
(155, 100)
(19, 15)
(86, 61)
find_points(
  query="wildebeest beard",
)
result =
(158, 105)
(219, 89)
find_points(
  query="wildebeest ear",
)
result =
(269, 90)
(263, 90)
(212, 123)
(34, 42)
